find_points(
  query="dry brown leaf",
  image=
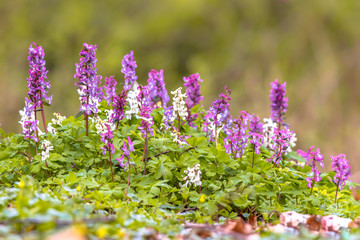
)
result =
(314, 223)
(239, 226)
(253, 221)
(68, 234)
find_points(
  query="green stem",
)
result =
(145, 151)
(253, 160)
(128, 183)
(312, 186)
(337, 189)
(43, 116)
(112, 173)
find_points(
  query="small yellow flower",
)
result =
(120, 233)
(78, 188)
(21, 184)
(101, 232)
(202, 198)
(80, 229)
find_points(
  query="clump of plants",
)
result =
(133, 159)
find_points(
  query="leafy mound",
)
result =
(74, 186)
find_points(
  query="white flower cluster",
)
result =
(292, 142)
(177, 138)
(100, 125)
(179, 104)
(269, 129)
(92, 101)
(57, 121)
(133, 103)
(25, 118)
(46, 146)
(193, 176)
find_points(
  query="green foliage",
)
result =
(74, 186)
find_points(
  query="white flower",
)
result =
(57, 121)
(92, 101)
(133, 103)
(179, 104)
(177, 138)
(215, 131)
(25, 117)
(269, 129)
(292, 142)
(100, 125)
(193, 176)
(46, 146)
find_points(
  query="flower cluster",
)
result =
(193, 176)
(55, 121)
(178, 138)
(256, 140)
(279, 103)
(47, 147)
(143, 96)
(268, 131)
(168, 117)
(193, 93)
(106, 137)
(110, 89)
(127, 148)
(255, 125)
(88, 85)
(132, 100)
(179, 109)
(192, 84)
(312, 157)
(38, 87)
(236, 137)
(28, 123)
(100, 124)
(118, 106)
(128, 69)
(280, 144)
(218, 115)
(342, 168)
(156, 87)
(146, 121)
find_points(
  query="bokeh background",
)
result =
(312, 45)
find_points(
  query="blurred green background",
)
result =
(312, 45)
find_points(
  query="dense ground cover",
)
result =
(131, 164)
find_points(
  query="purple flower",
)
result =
(342, 168)
(107, 139)
(38, 87)
(193, 94)
(88, 85)
(110, 89)
(146, 121)
(237, 138)
(218, 115)
(281, 142)
(312, 157)
(127, 148)
(168, 117)
(255, 125)
(28, 122)
(256, 140)
(143, 96)
(118, 106)
(279, 103)
(156, 88)
(128, 69)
